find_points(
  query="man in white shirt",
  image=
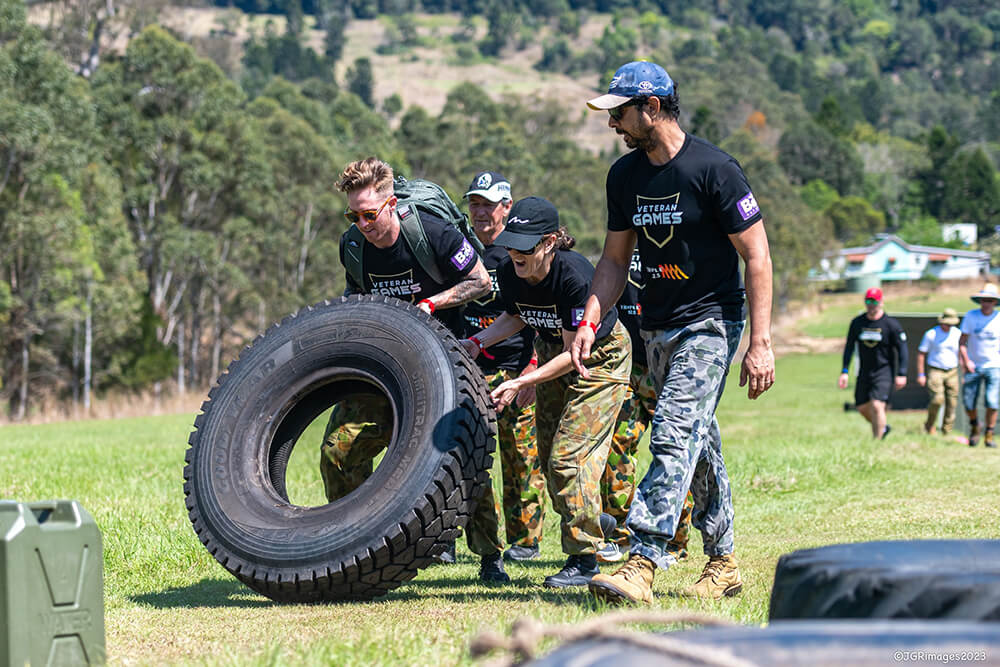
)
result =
(937, 369)
(979, 350)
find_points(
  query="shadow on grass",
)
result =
(216, 593)
(205, 593)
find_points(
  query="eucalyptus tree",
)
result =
(50, 222)
(189, 162)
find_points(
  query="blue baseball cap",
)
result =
(635, 79)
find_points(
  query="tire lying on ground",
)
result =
(377, 537)
(920, 579)
(793, 644)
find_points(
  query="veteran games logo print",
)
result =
(870, 337)
(400, 285)
(656, 217)
(540, 317)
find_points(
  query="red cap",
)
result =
(874, 293)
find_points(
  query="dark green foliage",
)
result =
(808, 151)
(143, 359)
(704, 125)
(854, 220)
(284, 56)
(361, 80)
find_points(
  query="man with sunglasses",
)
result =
(360, 428)
(688, 206)
(490, 200)
(881, 344)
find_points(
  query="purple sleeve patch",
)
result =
(576, 316)
(464, 256)
(748, 207)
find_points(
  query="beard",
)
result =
(641, 140)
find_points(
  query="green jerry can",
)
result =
(51, 585)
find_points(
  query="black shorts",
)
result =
(873, 387)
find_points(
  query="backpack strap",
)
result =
(354, 252)
(413, 232)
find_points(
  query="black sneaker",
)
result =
(491, 570)
(577, 571)
(886, 431)
(447, 557)
(519, 552)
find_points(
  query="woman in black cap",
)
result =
(544, 285)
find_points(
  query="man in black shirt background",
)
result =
(490, 198)
(690, 209)
(361, 427)
(881, 345)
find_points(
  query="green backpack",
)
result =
(414, 196)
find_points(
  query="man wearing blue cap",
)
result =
(690, 209)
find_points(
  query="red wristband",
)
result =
(482, 348)
(587, 323)
(430, 304)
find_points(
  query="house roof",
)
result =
(883, 240)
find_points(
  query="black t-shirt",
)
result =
(395, 271)
(556, 303)
(515, 352)
(682, 213)
(629, 310)
(879, 343)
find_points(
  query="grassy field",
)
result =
(804, 474)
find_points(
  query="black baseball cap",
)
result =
(529, 220)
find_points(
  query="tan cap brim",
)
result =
(605, 102)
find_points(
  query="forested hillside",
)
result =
(165, 195)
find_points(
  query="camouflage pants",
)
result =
(358, 430)
(523, 481)
(574, 418)
(618, 482)
(689, 365)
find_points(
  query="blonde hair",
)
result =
(370, 172)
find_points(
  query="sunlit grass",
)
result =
(804, 474)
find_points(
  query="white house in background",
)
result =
(965, 232)
(892, 258)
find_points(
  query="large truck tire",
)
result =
(795, 643)
(411, 508)
(919, 579)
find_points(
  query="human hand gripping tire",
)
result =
(505, 393)
(580, 350)
(757, 370)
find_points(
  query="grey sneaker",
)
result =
(610, 553)
(519, 552)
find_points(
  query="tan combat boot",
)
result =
(633, 582)
(720, 577)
